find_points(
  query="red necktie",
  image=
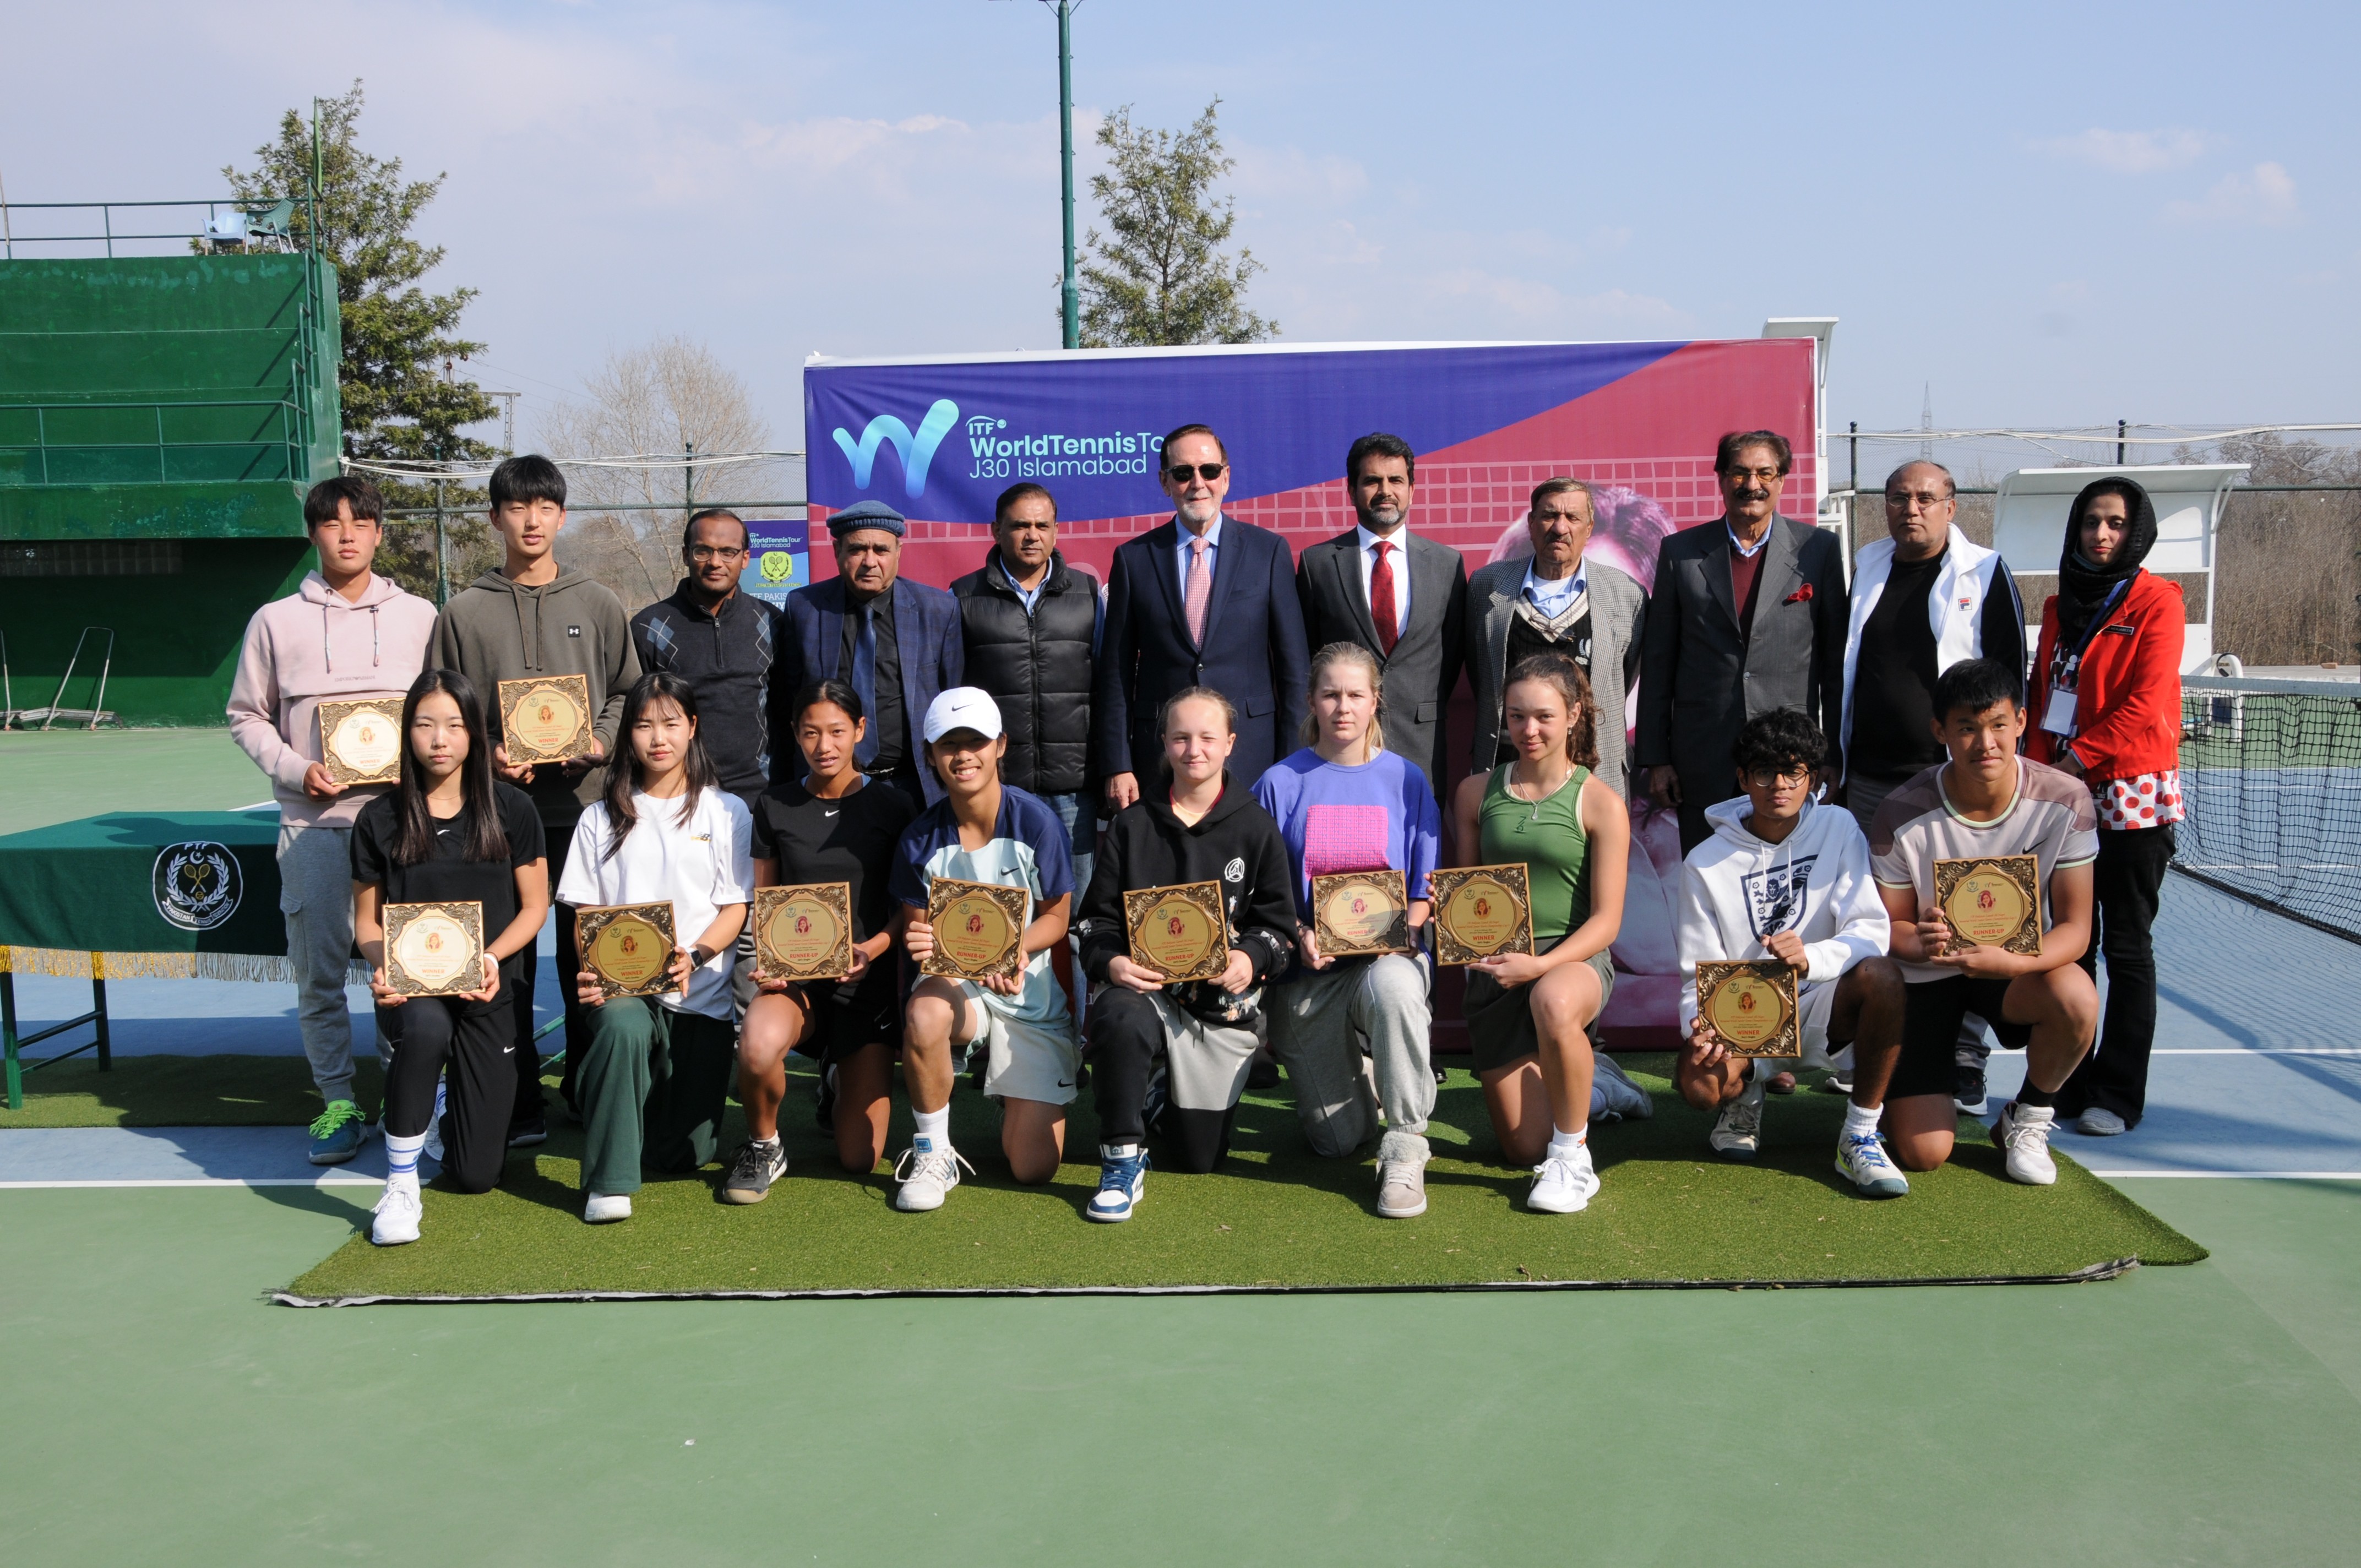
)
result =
(1382, 600)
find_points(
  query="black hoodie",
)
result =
(2082, 587)
(1236, 844)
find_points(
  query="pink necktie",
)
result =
(1200, 591)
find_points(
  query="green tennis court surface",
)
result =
(1275, 1217)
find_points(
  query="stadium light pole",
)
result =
(1065, 10)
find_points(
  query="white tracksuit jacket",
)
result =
(1736, 890)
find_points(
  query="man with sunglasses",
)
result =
(1202, 601)
(719, 641)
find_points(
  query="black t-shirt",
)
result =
(1893, 678)
(446, 875)
(849, 840)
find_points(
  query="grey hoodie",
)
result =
(495, 629)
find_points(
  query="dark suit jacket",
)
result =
(1425, 665)
(1700, 682)
(1254, 652)
(927, 632)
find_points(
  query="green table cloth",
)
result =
(183, 893)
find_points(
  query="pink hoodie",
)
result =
(316, 644)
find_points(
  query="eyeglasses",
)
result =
(1182, 472)
(1927, 499)
(703, 552)
(1759, 476)
(1771, 778)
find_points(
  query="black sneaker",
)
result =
(1262, 1072)
(1968, 1091)
(528, 1133)
(757, 1166)
(824, 1099)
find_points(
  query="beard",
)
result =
(1380, 520)
(1198, 514)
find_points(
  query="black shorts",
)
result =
(845, 1018)
(1500, 1017)
(1930, 1031)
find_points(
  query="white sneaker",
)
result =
(605, 1208)
(2023, 1131)
(1864, 1161)
(2098, 1124)
(1738, 1130)
(927, 1178)
(397, 1213)
(1564, 1184)
(434, 1149)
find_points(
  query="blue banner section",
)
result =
(941, 441)
(778, 559)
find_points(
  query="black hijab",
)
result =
(2083, 588)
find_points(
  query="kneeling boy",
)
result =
(1786, 877)
(1986, 800)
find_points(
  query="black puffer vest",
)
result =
(1038, 668)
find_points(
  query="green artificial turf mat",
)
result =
(182, 1092)
(1275, 1217)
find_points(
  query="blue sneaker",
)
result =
(338, 1133)
(1122, 1182)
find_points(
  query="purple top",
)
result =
(1338, 818)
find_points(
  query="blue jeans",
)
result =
(1080, 814)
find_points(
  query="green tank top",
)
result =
(1547, 836)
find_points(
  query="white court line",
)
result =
(2256, 1051)
(210, 1181)
(2233, 1175)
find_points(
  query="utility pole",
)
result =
(1066, 150)
(2120, 429)
(688, 473)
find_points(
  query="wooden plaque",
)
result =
(360, 741)
(433, 950)
(546, 719)
(1993, 902)
(1750, 1003)
(629, 946)
(1358, 913)
(1481, 912)
(979, 928)
(804, 932)
(1182, 931)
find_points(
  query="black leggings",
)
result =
(425, 1035)
(1124, 1037)
(2128, 881)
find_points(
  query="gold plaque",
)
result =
(1481, 912)
(1751, 1006)
(1353, 912)
(546, 719)
(627, 945)
(1993, 902)
(978, 929)
(360, 741)
(433, 950)
(804, 932)
(1182, 932)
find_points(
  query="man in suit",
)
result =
(896, 643)
(1556, 602)
(1748, 615)
(1401, 596)
(1201, 600)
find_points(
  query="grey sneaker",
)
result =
(1613, 1096)
(1738, 1130)
(2097, 1124)
(758, 1165)
(1401, 1188)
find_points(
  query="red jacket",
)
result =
(2127, 706)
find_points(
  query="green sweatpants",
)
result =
(653, 1085)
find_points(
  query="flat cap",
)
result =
(867, 514)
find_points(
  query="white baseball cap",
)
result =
(962, 708)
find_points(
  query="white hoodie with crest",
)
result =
(1736, 890)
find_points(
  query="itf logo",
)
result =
(916, 448)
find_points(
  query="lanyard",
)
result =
(2070, 662)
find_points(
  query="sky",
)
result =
(2040, 215)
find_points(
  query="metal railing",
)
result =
(271, 224)
(290, 440)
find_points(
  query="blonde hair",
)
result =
(1347, 653)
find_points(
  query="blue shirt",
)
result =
(1185, 551)
(1550, 596)
(1032, 595)
(1029, 848)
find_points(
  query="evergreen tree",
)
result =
(1160, 276)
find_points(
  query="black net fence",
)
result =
(2271, 781)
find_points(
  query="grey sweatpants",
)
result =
(315, 894)
(1317, 1022)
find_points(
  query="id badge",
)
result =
(2058, 717)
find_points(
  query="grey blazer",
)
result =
(1617, 614)
(1700, 681)
(1425, 665)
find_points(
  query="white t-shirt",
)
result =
(700, 865)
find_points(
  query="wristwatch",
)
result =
(700, 956)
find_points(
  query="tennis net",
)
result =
(2270, 783)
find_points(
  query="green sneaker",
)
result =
(338, 1133)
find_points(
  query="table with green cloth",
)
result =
(189, 894)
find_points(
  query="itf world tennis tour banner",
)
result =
(938, 439)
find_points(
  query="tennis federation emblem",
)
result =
(197, 885)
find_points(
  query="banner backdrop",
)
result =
(940, 439)
(777, 560)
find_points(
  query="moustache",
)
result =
(1752, 494)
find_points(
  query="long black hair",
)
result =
(623, 771)
(485, 840)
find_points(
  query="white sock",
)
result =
(1860, 1121)
(1564, 1143)
(401, 1158)
(934, 1130)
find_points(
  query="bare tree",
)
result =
(673, 405)
(2290, 572)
